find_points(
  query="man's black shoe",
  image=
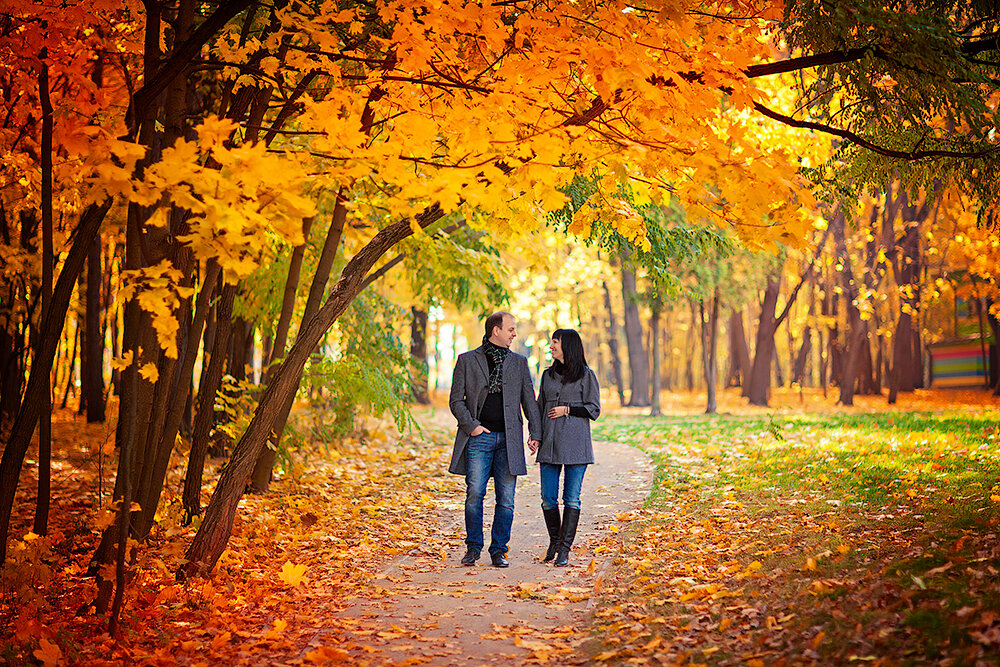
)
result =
(470, 557)
(499, 560)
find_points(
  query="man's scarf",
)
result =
(496, 355)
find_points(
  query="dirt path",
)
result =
(432, 610)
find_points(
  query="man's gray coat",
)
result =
(469, 386)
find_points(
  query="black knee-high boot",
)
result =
(552, 523)
(567, 533)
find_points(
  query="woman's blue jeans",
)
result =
(485, 457)
(572, 484)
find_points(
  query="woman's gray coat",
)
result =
(469, 386)
(566, 440)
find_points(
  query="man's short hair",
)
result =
(496, 320)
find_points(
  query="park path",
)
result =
(431, 610)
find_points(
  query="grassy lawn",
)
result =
(792, 537)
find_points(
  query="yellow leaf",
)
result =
(292, 574)
(120, 364)
(327, 654)
(149, 372)
(279, 627)
(50, 654)
(810, 565)
(725, 623)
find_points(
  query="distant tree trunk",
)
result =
(616, 361)
(760, 372)
(709, 336)
(71, 364)
(799, 371)
(418, 355)
(805, 348)
(33, 402)
(692, 337)
(668, 376)
(654, 326)
(638, 362)
(93, 389)
(995, 356)
(260, 479)
(739, 352)
(208, 387)
(907, 371)
(759, 384)
(856, 327)
(779, 373)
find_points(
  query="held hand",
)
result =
(479, 430)
(533, 445)
(559, 411)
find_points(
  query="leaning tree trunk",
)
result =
(638, 362)
(214, 531)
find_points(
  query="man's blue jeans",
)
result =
(549, 473)
(485, 457)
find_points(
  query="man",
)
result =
(490, 388)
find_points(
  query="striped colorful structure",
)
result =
(958, 364)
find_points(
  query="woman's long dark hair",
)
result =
(574, 363)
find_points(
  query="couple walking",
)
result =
(489, 390)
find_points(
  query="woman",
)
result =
(568, 399)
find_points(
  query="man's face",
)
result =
(505, 334)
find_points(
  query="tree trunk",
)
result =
(689, 356)
(857, 329)
(654, 326)
(41, 526)
(710, 331)
(261, 478)
(616, 361)
(759, 385)
(93, 389)
(214, 531)
(906, 372)
(211, 380)
(638, 362)
(418, 355)
(739, 352)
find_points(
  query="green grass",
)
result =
(913, 497)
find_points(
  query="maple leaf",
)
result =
(49, 653)
(327, 654)
(292, 574)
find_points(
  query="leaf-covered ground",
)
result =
(799, 534)
(813, 536)
(297, 556)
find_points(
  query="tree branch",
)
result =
(864, 143)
